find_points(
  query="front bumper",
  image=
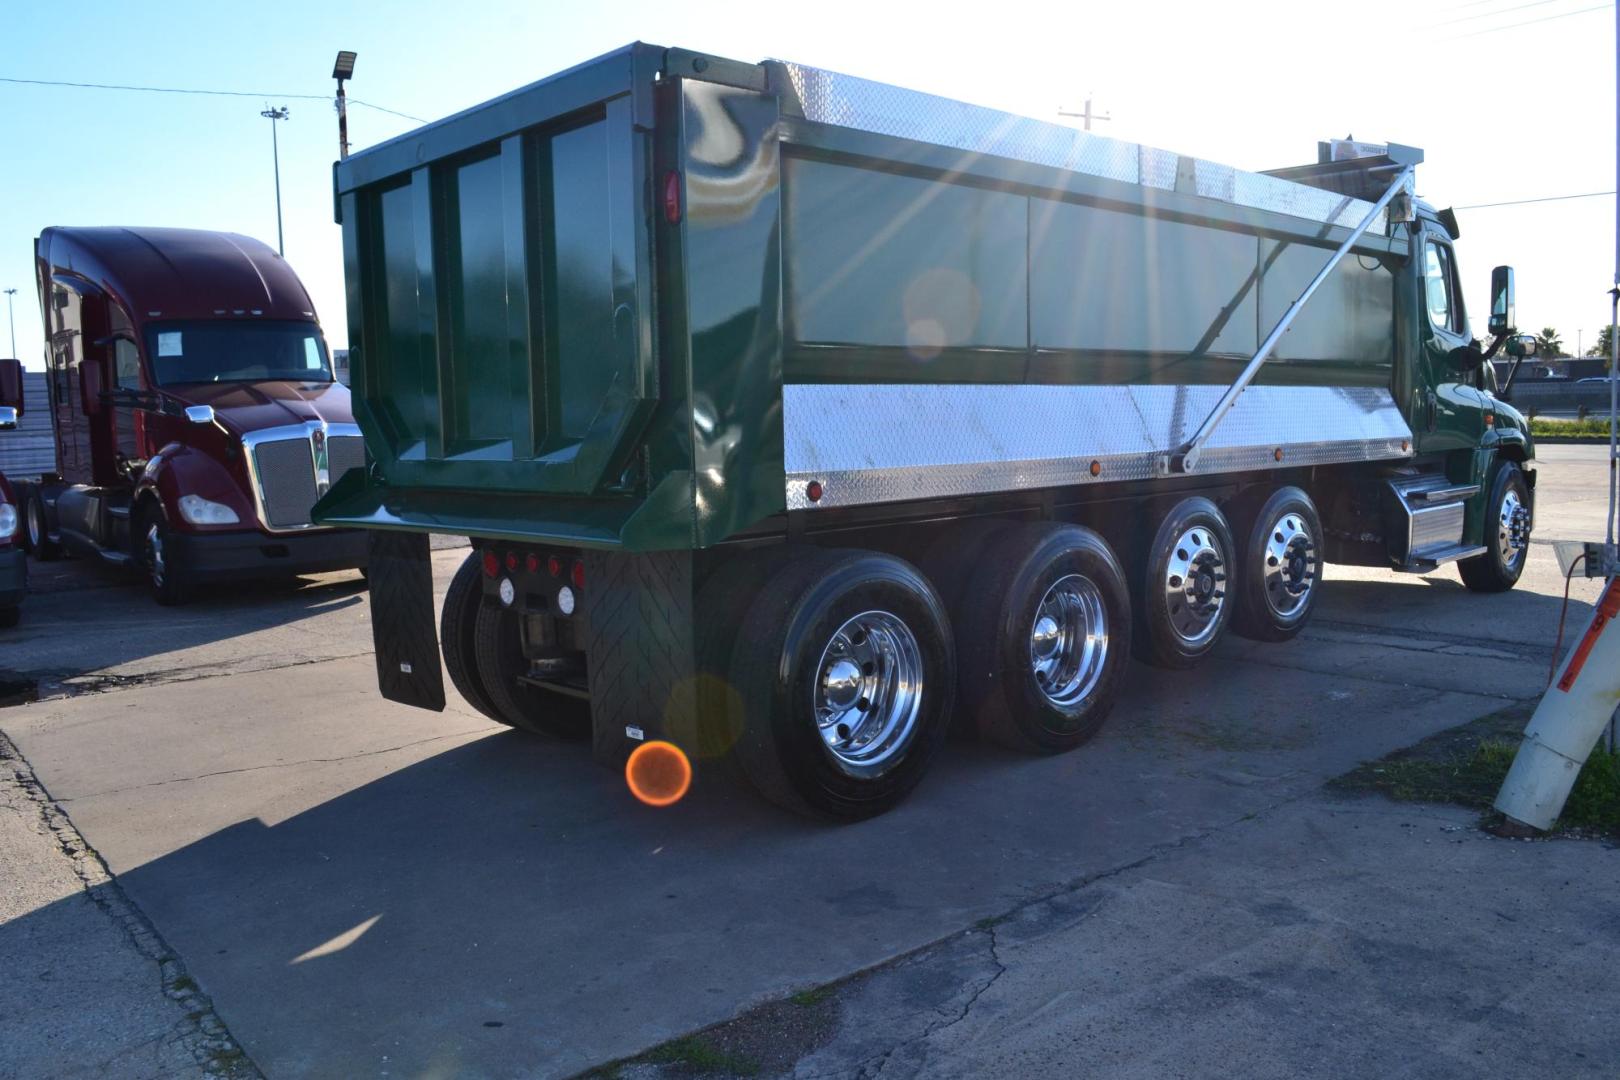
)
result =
(13, 576)
(202, 558)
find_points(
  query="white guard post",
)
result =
(1568, 722)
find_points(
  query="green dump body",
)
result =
(579, 314)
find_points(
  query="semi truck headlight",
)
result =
(201, 511)
(8, 520)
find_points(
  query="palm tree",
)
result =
(1548, 344)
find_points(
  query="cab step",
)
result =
(1424, 516)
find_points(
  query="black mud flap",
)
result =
(402, 625)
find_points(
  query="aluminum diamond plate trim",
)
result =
(877, 443)
(847, 101)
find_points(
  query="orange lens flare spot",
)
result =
(659, 773)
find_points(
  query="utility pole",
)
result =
(275, 152)
(341, 70)
(11, 318)
(1086, 115)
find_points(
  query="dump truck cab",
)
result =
(196, 414)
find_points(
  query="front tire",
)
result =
(36, 535)
(1507, 534)
(9, 617)
(844, 674)
(157, 558)
(1042, 638)
(1183, 607)
(1281, 568)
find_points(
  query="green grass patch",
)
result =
(1473, 777)
(702, 1056)
(807, 998)
(1593, 427)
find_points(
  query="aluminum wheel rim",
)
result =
(1512, 529)
(1292, 565)
(154, 544)
(1068, 640)
(1194, 585)
(868, 692)
(36, 527)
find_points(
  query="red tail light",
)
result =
(511, 560)
(492, 565)
(672, 197)
(578, 574)
(531, 562)
(554, 566)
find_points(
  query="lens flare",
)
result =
(658, 773)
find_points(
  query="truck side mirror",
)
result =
(200, 414)
(11, 386)
(1521, 346)
(1503, 319)
(8, 418)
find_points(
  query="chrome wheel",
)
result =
(154, 554)
(1068, 641)
(1194, 585)
(868, 692)
(1512, 529)
(36, 527)
(1291, 567)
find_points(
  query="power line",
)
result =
(1521, 202)
(214, 93)
(1491, 14)
(1530, 22)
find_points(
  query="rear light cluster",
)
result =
(537, 574)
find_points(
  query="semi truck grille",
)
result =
(286, 469)
(344, 452)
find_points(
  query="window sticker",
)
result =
(169, 343)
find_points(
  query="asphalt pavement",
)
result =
(365, 889)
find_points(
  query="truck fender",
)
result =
(178, 470)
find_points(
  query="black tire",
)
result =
(790, 626)
(163, 575)
(1500, 568)
(1279, 565)
(1158, 639)
(953, 558)
(458, 627)
(722, 604)
(36, 536)
(9, 617)
(498, 650)
(998, 686)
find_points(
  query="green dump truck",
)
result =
(797, 418)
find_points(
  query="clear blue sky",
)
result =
(1504, 111)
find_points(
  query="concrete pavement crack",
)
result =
(199, 1030)
(272, 765)
(59, 684)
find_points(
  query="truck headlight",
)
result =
(201, 511)
(8, 520)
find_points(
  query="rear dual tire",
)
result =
(1043, 631)
(841, 675)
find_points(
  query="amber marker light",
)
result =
(658, 773)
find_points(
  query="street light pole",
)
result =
(275, 152)
(11, 319)
(343, 69)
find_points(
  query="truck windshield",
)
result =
(237, 351)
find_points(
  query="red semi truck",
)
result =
(196, 414)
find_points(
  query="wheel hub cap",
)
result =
(1068, 641)
(868, 692)
(1513, 529)
(1291, 565)
(1193, 580)
(154, 544)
